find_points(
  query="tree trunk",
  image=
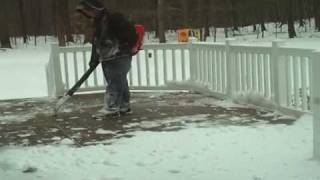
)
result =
(59, 21)
(301, 13)
(291, 30)
(234, 18)
(160, 16)
(316, 10)
(23, 21)
(206, 10)
(185, 13)
(67, 24)
(4, 33)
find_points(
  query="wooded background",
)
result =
(25, 18)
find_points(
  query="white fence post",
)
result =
(192, 60)
(59, 87)
(231, 68)
(278, 75)
(315, 101)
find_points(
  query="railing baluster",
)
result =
(243, 72)
(238, 78)
(296, 82)
(210, 70)
(75, 66)
(146, 58)
(260, 74)
(174, 66)
(196, 64)
(249, 70)
(289, 80)
(254, 73)
(139, 69)
(66, 69)
(223, 72)
(215, 73)
(156, 65)
(205, 66)
(201, 65)
(183, 66)
(304, 83)
(85, 66)
(165, 75)
(131, 75)
(219, 84)
(266, 76)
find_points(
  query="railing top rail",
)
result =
(74, 48)
(251, 49)
(166, 46)
(145, 46)
(295, 51)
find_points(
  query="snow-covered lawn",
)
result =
(22, 72)
(259, 152)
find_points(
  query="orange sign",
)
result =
(183, 35)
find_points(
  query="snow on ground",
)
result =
(260, 152)
(22, 72)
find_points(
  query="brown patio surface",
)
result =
(30, 122)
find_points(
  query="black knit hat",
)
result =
(90, 5)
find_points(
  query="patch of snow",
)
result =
(72, 118)
(24, 135)
(78, 129)
(17, 118)
(102, 131)
(66, 141)
(56, 138)
(235, 118)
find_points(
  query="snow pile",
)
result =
(264, 152)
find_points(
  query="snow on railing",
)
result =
(284, 77)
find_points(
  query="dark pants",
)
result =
(117, 91)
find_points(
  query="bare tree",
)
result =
(290, 20)
(316, 9)
(22, 21)
(4, 33)
(59, 21)
(161, 23)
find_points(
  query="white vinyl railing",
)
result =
(284, 77)
(152, 68)
(279, 74)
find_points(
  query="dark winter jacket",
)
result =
(105, 41)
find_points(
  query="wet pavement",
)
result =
(31, 122)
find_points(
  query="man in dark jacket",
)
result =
(114, 55)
